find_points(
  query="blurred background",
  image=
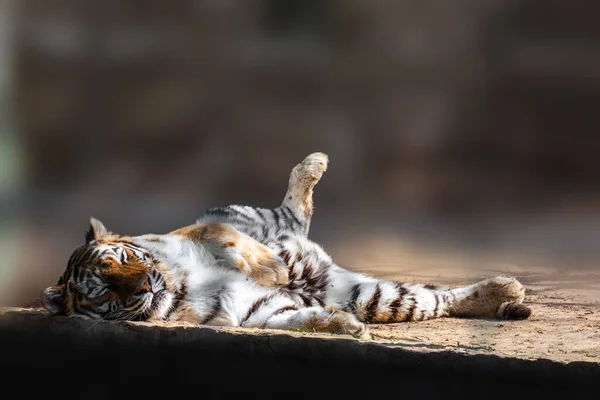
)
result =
(460, 127)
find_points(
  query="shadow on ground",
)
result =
(94, 360)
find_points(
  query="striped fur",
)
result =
(254, 267)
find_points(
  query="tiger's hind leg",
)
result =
(299, 196)
(378, 301)
(294, 214)
(497, 297)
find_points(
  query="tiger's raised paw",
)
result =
(236, 250)
(311, 169)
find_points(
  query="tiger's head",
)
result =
(109, 277)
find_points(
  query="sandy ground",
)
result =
(565, 322)
(564, 326)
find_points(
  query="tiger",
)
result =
(244, 266)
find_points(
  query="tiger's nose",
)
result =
(145, 287)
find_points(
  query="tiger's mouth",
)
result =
(156, 300)
(156, 307)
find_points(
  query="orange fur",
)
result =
(243, 252)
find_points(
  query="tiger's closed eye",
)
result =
(90, 290)
(112, 287)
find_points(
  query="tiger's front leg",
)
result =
(238, 250)
(311, 319)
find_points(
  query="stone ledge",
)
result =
(99, 357)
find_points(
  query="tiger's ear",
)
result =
(53, 299)
(96, 231)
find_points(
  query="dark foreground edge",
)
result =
(42, 356)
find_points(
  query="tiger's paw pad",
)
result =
(514, 311)
(312, 167)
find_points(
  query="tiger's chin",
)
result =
(159, 307)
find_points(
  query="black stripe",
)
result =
(240, 214)
(307, 272)
(237, 209)
(306, 300)
(265, 231)
(394, 310)
(286, 256)
(228, 213)
(411, 310)
(286, 219)
(218, 212)
(76, 275)
(292, 216)
(217, 307)
(136, 308)
(437, 306)
(275, 217)
(76, 256)
(284, 309)
(86, 312)
(373, 304)
(354, 294)
(78, 260)
(255, 307)
(132, 247)
(262, 217)
(397, 303)
(280, 311)
(179, 297)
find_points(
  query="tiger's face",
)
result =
(109, 277)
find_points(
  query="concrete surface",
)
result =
(42, 354)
